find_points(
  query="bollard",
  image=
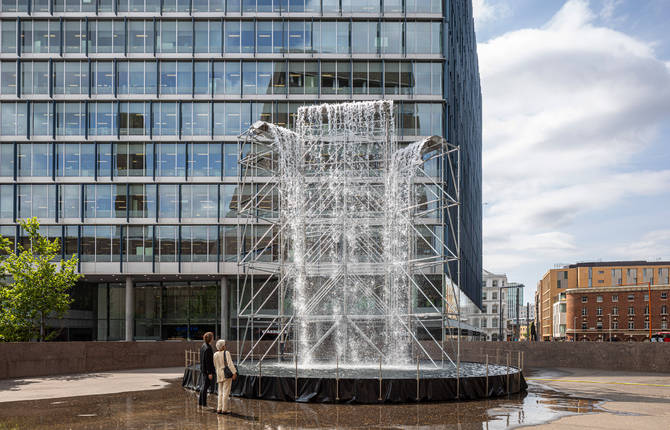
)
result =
(296, 377)
(487, 375)
(417, 378)
(380, 378)
(337, 378)
(260, 376)
(508, 354)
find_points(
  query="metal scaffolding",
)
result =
(292, 269)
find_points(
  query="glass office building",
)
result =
(119, 122)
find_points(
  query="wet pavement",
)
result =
(175, 408)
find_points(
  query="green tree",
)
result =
(36, 286)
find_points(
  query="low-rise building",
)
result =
(588, 275)
(616, 313)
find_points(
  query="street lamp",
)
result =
(610, 330)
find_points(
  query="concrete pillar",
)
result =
(130, 310)
(225, 315)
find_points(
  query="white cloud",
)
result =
(484, 11)
(651, 246)
(567, 108)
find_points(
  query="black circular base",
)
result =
(327, 384)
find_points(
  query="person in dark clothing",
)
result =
(207, 369)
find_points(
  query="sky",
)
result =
(576, 133)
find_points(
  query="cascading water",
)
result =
(345, 197)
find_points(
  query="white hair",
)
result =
(220, 344)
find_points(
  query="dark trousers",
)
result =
(204, 389)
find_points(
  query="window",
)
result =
(102, 77)
(494, 295)
(494, 309)
(631, 297)
(646, 297)
(615, 325)
(494, 322)
(69, 201)
(34, 159)
(70, 119)
(105, 201)
(615, 310)
(6, 202)
(204, 159)
(423, 37)
(484, 322)
(599, 325)
(102, 119)
(37, 37)
(140, 244)
(208, 37)
(107, 37)
(662, 278)
(199, 201)
(8, 77)
(134, 119)
(646, 310)
(195, 119)
(585, 299)
(664, 295)
(335, 77)
(133, 159)
(615, 297)
(584, 326)
(616, 277)
(584, 312)
(484, 296)
(13, 119)
(664, 309)
(198, 243)
(75, 159)
(170, 159)
(599, 299)
(165, 119)
(599, 311)
(34, 77)
(631, 325)
(136, 77)
(332, 37)
(648, 275)
(140, 37)
(561, 307)
(367, 77)
(664, 325)
(175, 36)
(100, 243)
(36, 201)
(176, 77)
(74, 37)
(142, 200)
(168, 201)
(631, 310)
(631, 276)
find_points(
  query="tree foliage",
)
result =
(36, 286)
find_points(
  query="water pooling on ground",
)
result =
(173, 408)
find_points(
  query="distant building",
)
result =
(614, 274)
(616, 313)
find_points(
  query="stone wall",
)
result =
(624, 356)
(29, 359)
(58, 358)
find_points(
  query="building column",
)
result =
(225, 316)
(130, 310)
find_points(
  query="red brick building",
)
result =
(620, 313)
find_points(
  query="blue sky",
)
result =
(576, 132)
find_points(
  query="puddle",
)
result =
(175, 408)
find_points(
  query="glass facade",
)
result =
(119, 122)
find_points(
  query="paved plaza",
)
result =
(154, 399)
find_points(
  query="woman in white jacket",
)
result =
(222, 359)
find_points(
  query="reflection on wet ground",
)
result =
(175, 408)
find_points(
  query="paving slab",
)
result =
(53, 387)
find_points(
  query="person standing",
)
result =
(207, 370)
(226, 373)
